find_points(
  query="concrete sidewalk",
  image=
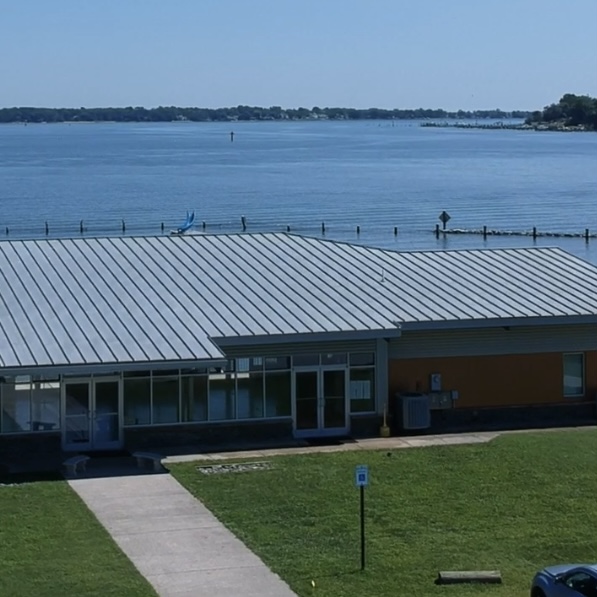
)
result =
(374, 443)
(174, 541)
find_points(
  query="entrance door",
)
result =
(92, 419)
(320, 402)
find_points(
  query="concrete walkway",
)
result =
(375, 443)
(174, 541)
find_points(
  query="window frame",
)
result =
(583, 375)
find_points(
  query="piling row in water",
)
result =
(98, 227)
(534, 233)
(110, 228)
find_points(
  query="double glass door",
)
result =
(320, 402)
(92, 414)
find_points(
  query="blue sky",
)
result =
(356, 53)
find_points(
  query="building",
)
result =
(151, 341)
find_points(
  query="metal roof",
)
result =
(93, 301)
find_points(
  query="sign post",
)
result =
(444, 218)
(362, 481)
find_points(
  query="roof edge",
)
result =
(500, 322)
(228, 341)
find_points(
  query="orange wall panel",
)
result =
(484, 381)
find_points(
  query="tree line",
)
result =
(238, 113)
(571, 110)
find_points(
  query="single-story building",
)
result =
(129, 342)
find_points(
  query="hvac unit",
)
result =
(416, 412)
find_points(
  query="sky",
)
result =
(451, 54)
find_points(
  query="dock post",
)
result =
(81, 228)
(123, 227)
(484, 232)
(586, 235)
(47, 228)
(243, 221)
(203, 225)
(287, 228)
(162, 226)
(395, 230)
(358, 230)
(323, 228)
(437, 231)
(534, 232)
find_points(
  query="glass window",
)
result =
(136, 373)
(362, 390)
(277, 362)
(194, 398)
(334, 358)
(16, 407)
(45, 406)
(221, 396)
(194, 371)
(277, 394)
(249, 395)
(305, 360)
(137, 401)
(582, 583)
(165, 373)
(165, 400)
(574, 374)
(362, 358)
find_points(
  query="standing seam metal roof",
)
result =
(135, 300)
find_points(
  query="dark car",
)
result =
(566, 580)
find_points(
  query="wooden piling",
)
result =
(323, 228)
(123, 227)
(437, 231)
(287, 228)
(395, 230)
(243, 221)
(47, 228)
(162, 226)
(586, 235)
(7, 231)
(484, 232)
(81, 228)
(534, 233)
(204, 225)
(358, 230)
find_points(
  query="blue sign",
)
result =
(362, 475)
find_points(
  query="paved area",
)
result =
(379, 443)
(174, 541)
(376, 443)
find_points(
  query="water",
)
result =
(300, 174)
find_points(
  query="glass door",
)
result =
(77, 419)
(106, 428)
(306, 396)
(320, 402)
(333, 386)
(92, 414)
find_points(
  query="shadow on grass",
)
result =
(7, 479)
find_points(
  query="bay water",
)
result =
(374, 175)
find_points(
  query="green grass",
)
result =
(51, 545)
(516, 504)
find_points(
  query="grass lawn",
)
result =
(51, 545)
(516, 504)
